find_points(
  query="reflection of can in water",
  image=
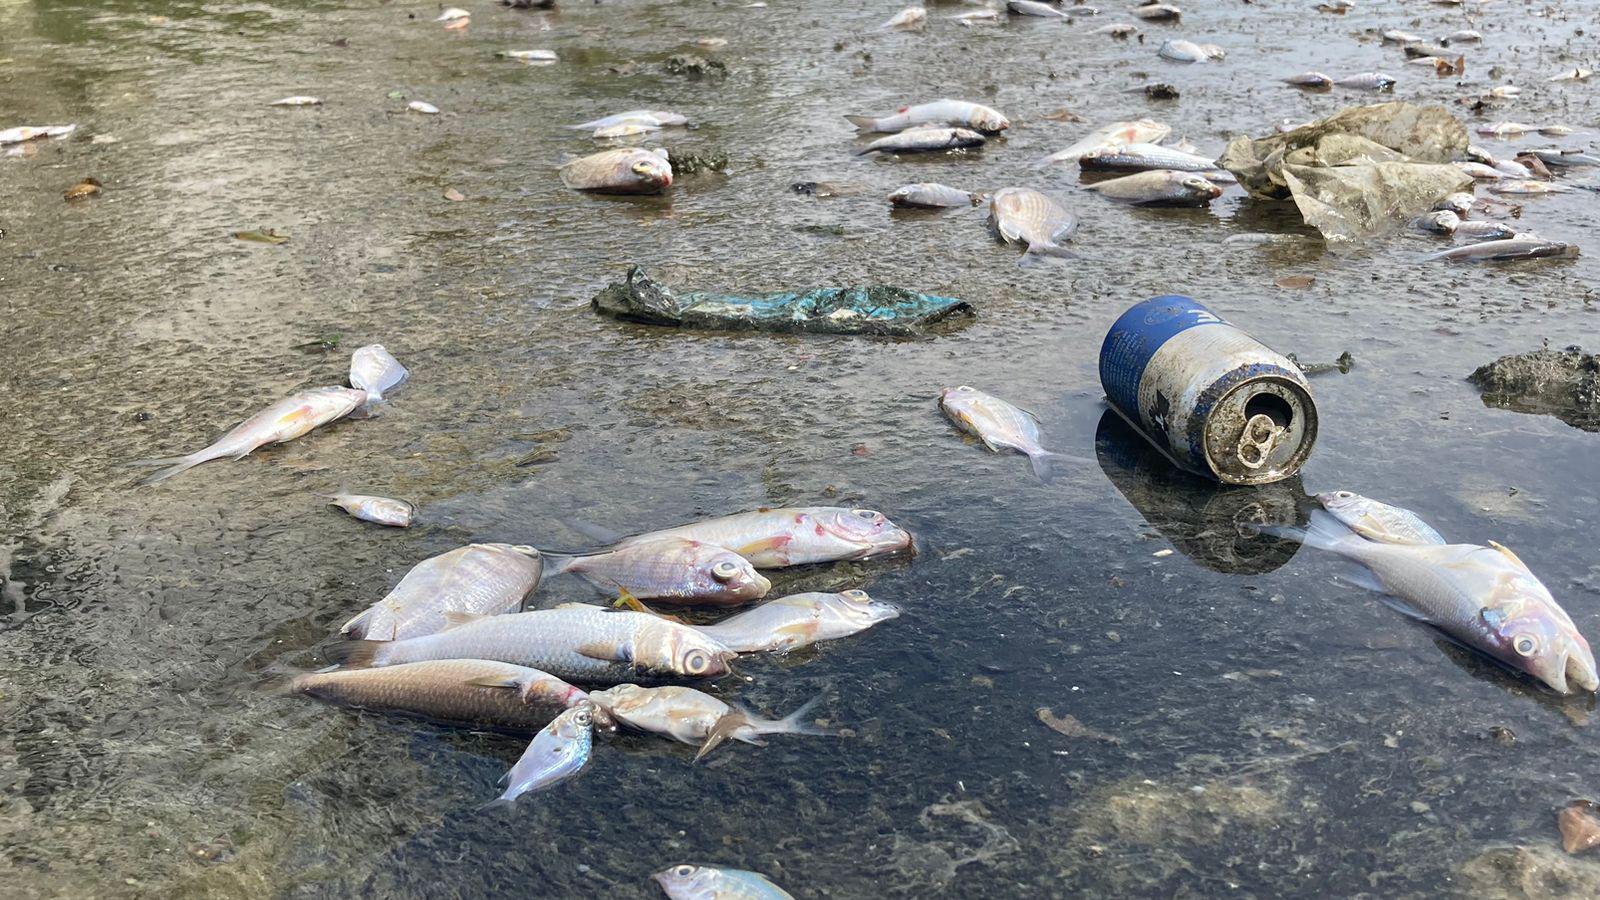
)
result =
(1212, 398)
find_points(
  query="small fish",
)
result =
(23, 133)
(1033, 8)
(1502, 92)
(931, 195)
(795, 536)
(559, 752)
(1510, 168)
(1479, 230)
(656, 117)
(452, 14)
(688, 882)
(1367, 81)
(1505, 129)
(626, 170)
(1000, 425)
(1484, 597)
(574, 641)
(925, 139)
(381, 510)
(297, 100)
(1189, 51)
(1117, 134)
(1158, 12)
(88, 187)
(1401, 37)
(695, 717)
(986, 16)
(1117, 30)
(1024, 214)
(1310, 80)
(711, 43)
(373, 370)
(1521, 246)
(1579, 74)
(470, 691)
(1259, 238)
(671, 570)
(1480, 171)
(1528, 187)
(1415, 50)
(478, 579)
(1464, 36)
(283, 421)
(955, 113)
(1555, 130)
(1442, 221)
(1377, 521)
(1459, 203)
(1142, 157)
(530, 57)
(910, 17)
(624, 129)
(1566, 158)
(1158, 187)
(427, 109)
(799, 620)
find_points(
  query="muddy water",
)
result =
(1266, 731)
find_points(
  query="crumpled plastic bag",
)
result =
(873, 309)
(1359, 172)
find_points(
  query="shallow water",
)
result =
(1276, 733)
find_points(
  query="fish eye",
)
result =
(965, 389)
(1344, 495)
(871, 515)
(1525, 645)
(858, 596)
(695, 662)
(724, 570)
(584, 717)
(683, 871)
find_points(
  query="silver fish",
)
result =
(1479, 230)
(1117, 30)
(953, 113)
(694, 717)
(657, 117)
(531, 57)
(1521, 246)
(1401, 37)
(796, 536)
(1480, 171)
(1000, 425)
(558, 752)
(297, 100)
(1510, 168)
(1158, 12)
(1309, 80)
(1505, 129)
(1556, 130)
(686, 882)
(1189, 51)
(381, 510)
(452, 14)
(931, 195)
(1502, 92)
(469, 691)
(1141, 157)
(23, 133)
(626, 170)
(1033, 8)
(1578, 74)
(1566, 158)
(1440, 221)
(910, 17)
(1158, 187)
(1464, 36)
(1117, 134)
(1484, 597)
(799, 620)
(478, 579)
(1024, 214)
(1378, 521)
(1459, 203)
(925, 140)
(1367, 81)
(373, 370)
(424, 107)
(589, 644)
(624, 129)
(671, 570)
(285, 420)
(1528, 187)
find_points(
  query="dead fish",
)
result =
(1440, 65)
(285, 420)
(1579, 74)
(794, 536)
(88, 187)
(711, 43)
(672, 570)
(1000, 425)
(1442, 221)
(297, 100)
(530, 57)
(1395, 36)
(1377, 521)
(1189, 51)
(452, 14)
(695, 717)
(686, 882)
(1309, 80)
(478, 579)
(1521, 246)
(557, 753)
(985, 16)
(379, 510)
(656, 117)
(1032, 8)
(626, 170)
(925, 140)
(1510, 168)
(1024, 214)
(1158, 12)
(1079, 9)
(1480, 171)
(1556, 156)
(1117, 30)
(23, 133)
(1555, 130)
(931, 195)
(373, 370)
(1464, 36)
(1257, 238)
(427, 109)
(1144, 157)
(910, 17)
(1367, 81)
(1528, 187)
(1337, 7)
(1480, 230)
(1502, 92)
(1158, 187)
(955, 113)
(470, 691)
(1117, 134)
(1418, 48)
(799, 620)
(624, 129)
(1505, 129)
(1459, 202)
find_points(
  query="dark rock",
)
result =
(1161, 91)
(691, 66)
(690, 162)
(1564, 384)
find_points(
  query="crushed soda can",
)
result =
(1213, 399)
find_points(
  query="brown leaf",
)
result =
(1070, 726)
(1295, 282)
(88, 187)
(262, 236)
(453, 195)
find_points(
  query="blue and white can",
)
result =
(1212, 398)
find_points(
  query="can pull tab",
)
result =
(1260, 436)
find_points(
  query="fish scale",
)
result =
(478, 579)
(451, 690)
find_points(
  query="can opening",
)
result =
(1272, 406)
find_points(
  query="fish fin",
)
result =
(457, 619)
(795, 722)
(556, 563)
(1045, 253)
(601, 651)
(497, 803)
(721, 731)
(496, 681)
(356, 628)
(1364, 579)
(1405, 609)
(1324, 532)
(863, 123)
(175, 465)
(629, 602)
(1045, 464)
(1511, 556)
(356, 654)
(765, 544)
(593, 532)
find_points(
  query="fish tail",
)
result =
(361, 654)
(356, 628)
(795, 722)
(1046, 464)
(174, 465)
(722, 730)
(1045, 252)
(1323, 532)
(496, 803)
(863, 123)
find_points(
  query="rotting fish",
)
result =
(471, 691)
(986, 16)
(23, 133)
(695, 717)
(1556, 130)
(1024, 214)
(285, 420)
(686, 882)
(1142, 157)
(1117, 134)
(1505, 129)
(574, 641)
(1158, 12)
(1528, 187)
(1565, 158)
(910, 17)
(374, 370)
(1502, 92)
(423, 107)
(297, 100)
(1479, 230)
(558, 752)
(1484, 597)
(1459, 203)
(453, 13)
(1377, 521)
(1480, 171)
(799, 620)
(656, 117)
(672, 570)
(1000, 425)
(1578, 74)
(774, 538)
(932, 195)
(478, 579)
(625, 170)
(1520, 246)
(925, 139)
(1117, 30)
(381, 510)
(624, 129)
(1189, 51)
(1033, 8)
(1310, 80)
(1395, 36)
(1367, 81)
(1440, 221)
(530, 57)
(1464, 36)
(1158, 187)
(1417, 48)
(955, 113)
